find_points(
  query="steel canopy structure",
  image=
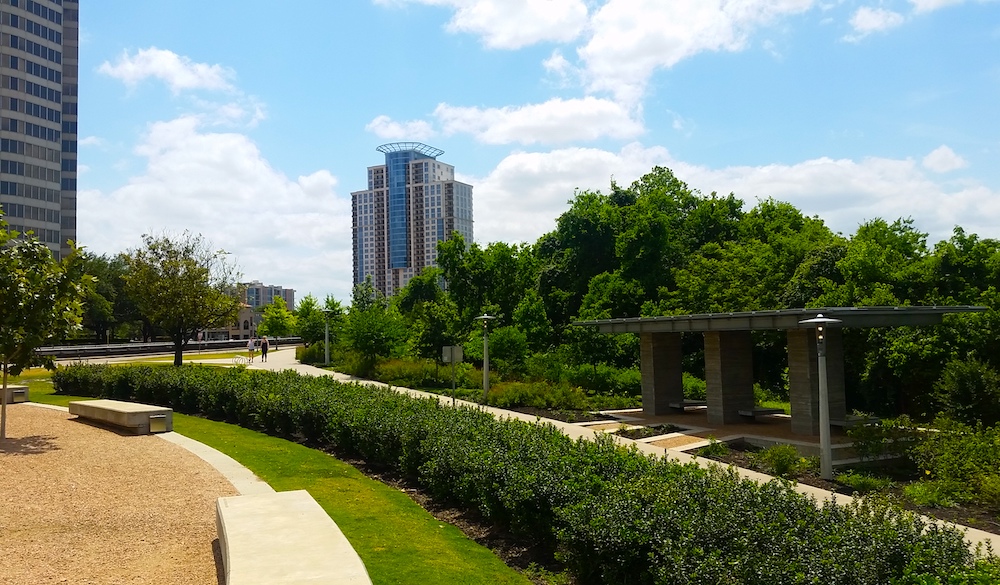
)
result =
(780, 319)
(729, 357)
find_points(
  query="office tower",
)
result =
(412, 202)
(39, 53)
(258, 294)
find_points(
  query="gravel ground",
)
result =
(84, 505)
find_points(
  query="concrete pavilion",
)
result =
(729, 361)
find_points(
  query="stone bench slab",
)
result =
(687, 403)
(16, 393)
(760, 412)
(284, 538)
(141, 419)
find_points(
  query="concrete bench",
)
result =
(754, 413)
(17, 394)
(851, 421)
(284, 538)
(686, 403)
(139, 419)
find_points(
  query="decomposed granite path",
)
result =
(84, 505)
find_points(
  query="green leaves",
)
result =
(182, 286)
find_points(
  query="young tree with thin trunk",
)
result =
(181, 286)
(41, 300)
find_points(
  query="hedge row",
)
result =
(611, 514)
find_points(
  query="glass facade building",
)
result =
(39, 53)
(412, 202)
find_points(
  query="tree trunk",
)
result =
(3, 406)
(179, 342)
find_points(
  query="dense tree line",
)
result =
(659, 247)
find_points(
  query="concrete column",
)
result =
(728, 375)
(662, 377)
(835, 373)
(803, 378)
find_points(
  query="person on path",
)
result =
(264, 345)
(250, 345)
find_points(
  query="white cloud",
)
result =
(633, 38)
(513, 24)
(943, 159)
(178, 72)
(868, 20)
(91, 141)
(386, 127)
(845, 193)
(931, 5)
(554, 121)
(558, 66)
(521, 199)
(291, 232)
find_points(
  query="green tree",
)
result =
(529, 316)
(181, 286)
(277, 320)
(42, 299)
(311, 321)
(374, 328)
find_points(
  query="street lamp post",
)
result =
(326, 336)
(486, 353)
(825, 447)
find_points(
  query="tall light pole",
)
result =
(825, 447)
(486, 353)
(326, 335)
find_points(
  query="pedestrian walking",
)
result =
(250, 345)
(264, 345)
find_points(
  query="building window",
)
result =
(246, 324)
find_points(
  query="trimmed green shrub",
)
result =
(782, 461)
(611, 513)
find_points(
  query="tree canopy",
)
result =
(42, 300)
(181, 286)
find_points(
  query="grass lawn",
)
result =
(399, 542)
(786, 406)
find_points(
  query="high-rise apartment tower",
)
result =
(39, 52)
(412, 202)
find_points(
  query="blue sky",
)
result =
(251, 125)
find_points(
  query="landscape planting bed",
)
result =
(82, 504)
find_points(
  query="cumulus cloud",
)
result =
(558, 66)
(389, 129)
(845, 193)
(931, 5)
(633, 38)
(552, 122)
(513, 24)
(867, 20)
(521, 199)
(293, 232)
(943, 159)
(178, 72)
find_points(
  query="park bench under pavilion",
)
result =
(729, 357)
